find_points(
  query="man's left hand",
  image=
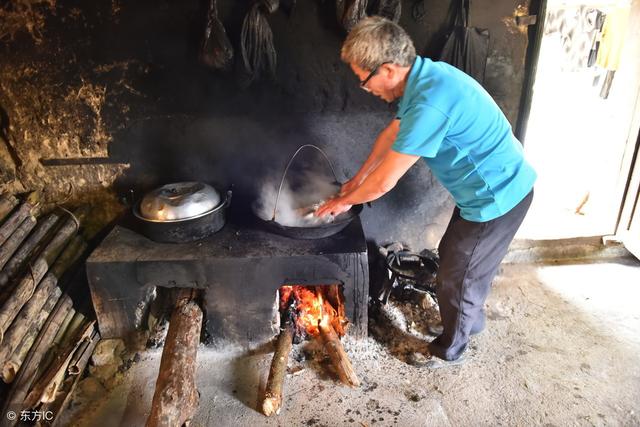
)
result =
(333, 207)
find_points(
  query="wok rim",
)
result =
(355, 210)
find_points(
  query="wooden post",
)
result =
(337, 355)
(273, 393)
(12, 243)
(176, 398)
(29, 247)
(26, 286)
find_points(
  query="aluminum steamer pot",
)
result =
(182, 212)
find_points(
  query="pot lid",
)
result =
(181, 200)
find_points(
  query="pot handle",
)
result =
(227, 200)
(284, 175)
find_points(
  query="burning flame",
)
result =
(309, 307)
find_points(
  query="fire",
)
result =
(310, 305)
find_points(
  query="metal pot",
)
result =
(182, 212)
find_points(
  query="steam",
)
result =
(296, 205)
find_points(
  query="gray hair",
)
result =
(375, 40)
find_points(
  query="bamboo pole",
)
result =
(18, 236)
(273, 393)
(29, 247)
(42, 294)
(337, 355)
(26, 286)
(26, 374)
(47, 380)
(12, 365)
(176, 398)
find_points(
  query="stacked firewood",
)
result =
(45, 342)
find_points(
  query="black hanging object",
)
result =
(390, 9)
(466, 47)
(350, 12)
(256, 39)
(216, 51)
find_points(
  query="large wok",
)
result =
(313, 232)
(316, 231)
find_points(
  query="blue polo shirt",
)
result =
(453, 123)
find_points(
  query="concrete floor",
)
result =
(562, 348)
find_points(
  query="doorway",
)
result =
(581, 132)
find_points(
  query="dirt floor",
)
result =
(561, 348)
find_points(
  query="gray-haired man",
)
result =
(446, 118)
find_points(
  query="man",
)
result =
(445, 117)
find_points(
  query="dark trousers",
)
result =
(470, 254)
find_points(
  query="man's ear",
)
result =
(390, 70)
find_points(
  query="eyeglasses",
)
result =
(363, 83)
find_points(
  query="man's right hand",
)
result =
(350, 185)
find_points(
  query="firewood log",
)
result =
(42, 294)
(176, 398)
(30, 246)
(27, 372)
(337, 355)
(12, 365)
(25, 288)
(78, 364)
(15, 219)
(273, 393)
(13, 242)
(47, 381)
(81, 358)
(7, 203)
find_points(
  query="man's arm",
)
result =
(377, 183)
(380, 149)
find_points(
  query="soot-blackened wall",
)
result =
(120, 79)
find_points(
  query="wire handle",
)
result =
(275, 208)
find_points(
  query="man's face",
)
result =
(381, 83)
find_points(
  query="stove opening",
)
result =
(308, 309)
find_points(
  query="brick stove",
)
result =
(240, 269)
